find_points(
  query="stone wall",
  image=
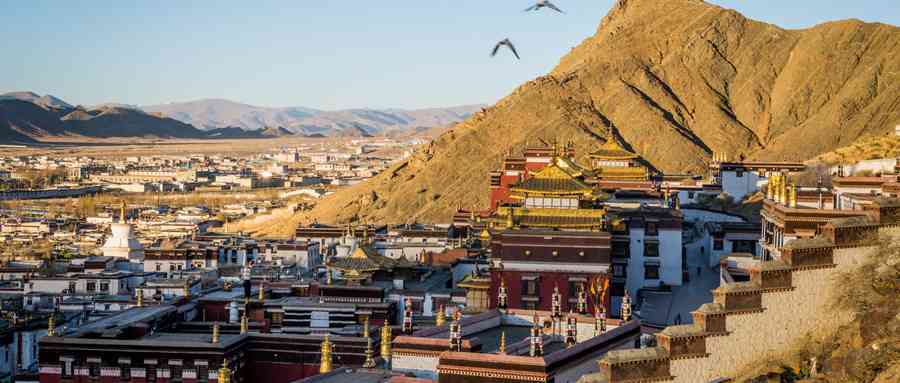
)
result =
(761, 319)
(786, 317)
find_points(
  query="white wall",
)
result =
(738, 187)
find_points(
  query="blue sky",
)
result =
(326, 54)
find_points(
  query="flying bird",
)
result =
(541, 4)
(507, 43)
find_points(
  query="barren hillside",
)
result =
(677, 80)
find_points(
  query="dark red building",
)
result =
(532, 263)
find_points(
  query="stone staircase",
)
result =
(748, 322)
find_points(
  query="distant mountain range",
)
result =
(217, 113)
(26, 117)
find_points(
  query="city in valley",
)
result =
(677, 200)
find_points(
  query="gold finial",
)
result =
(224, 373)
(215, 333)
(187, 289)
(325, 363)
(502, 348)
(386, 340)
(328, 276)
(262, 292)
(439, 320)
(509, 218)
(245, 324)
(51, 325)
(370, 360)
(122, 212)
(140, 298)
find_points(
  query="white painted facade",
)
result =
(668, 262)
(739, 183)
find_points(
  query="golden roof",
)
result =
(612, 150)
(629, 173)
(477, 282)
(560, 177)
(366, 260)
(553, 217)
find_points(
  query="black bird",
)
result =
(541, 4)
(508, 44)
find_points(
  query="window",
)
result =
(621, 249)
(651, 229)
(104, 286)
(530, 305)
(744, 247)
(619, 271)
(718, 243)
(651, 271)
(91, 286)
(530, 286)
(171, 267)
(574, 287)
(651, 249)
(740, 174)
(158, 267)
(72, 287)
(690, 195)
(106, 307)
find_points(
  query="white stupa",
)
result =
(122, 243)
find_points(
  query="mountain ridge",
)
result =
(169, 120)
(677, 81)
(219, 113)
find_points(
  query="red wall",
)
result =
(548, 281)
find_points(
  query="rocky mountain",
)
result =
(676, 80)
(218, 113)
(46, 101)
(126, 122)
(28, 118)
(24, 122)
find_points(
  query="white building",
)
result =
(122, 243)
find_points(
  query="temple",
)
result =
(612, 162)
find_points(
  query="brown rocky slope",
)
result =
(677, 80)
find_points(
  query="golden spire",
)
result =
(224, 373)
(440, 319)
(140, 298)
(502, 348)
(366, 326)
(370, 360)
(386, 340)
(215, 334)
(626, 307)
(122, 212)
(245, 324)
(51, 325)
(262, 292)
(325, 363)
(328, 280)
(187, 289)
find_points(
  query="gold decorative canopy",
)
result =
(559, 178)
(612, 150)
